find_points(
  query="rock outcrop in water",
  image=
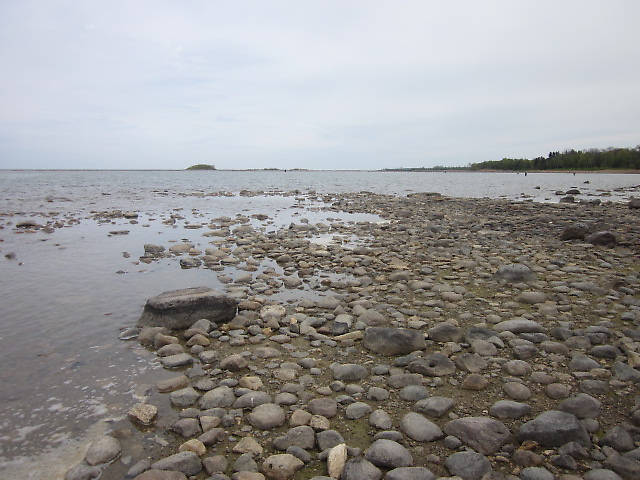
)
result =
(179, 309)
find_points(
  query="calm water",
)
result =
(63, 304)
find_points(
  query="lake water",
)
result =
(67, 294)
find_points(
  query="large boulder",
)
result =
(483, 434)
(393, 341)
(554, 428)
(179, 309)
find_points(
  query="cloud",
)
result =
(316, 85)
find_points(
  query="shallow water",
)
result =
(64, 302)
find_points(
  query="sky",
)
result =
(322, 85)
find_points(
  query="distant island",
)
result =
(201, 166)
(592, 159)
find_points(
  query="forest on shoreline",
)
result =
(592, 159)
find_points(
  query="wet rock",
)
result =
(82, 472)
(185, 462)
(483, 434)
(468, 465)
(179, 309)
(393, 341)
(388, 454)
(143, 413)
(102, 450)
(184, 397)
(554, 428)
(186, 427)
(174, 361)
(418, 428)
(193, 445)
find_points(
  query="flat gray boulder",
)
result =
(179, 309)
(483, 434)
(393, 341)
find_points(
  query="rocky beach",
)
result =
(466, 338)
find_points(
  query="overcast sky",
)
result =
(313, 84)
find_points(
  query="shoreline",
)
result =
(341, 374)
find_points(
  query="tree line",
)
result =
(592, 159)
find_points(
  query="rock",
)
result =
(281, 467)
(536, 473)
(102, 450)
(445, 332)
(626, 467)
(360, 468)
(161, 475)
(302, 436)
(179, 309)
(222, 396)
(380, 419)
(252, 399)
(509, 409)
(410, 473)
(266, 416)
(434, 365)
(601, 474)
(413, 393)
(604, 238)
(419, 428)
(328, 439)
(357, 410)
(517, 390)
(434, 406)
(247, 445)
(634, 203)
(581, 405)
(393, 341)
(468, 465)
(515, 272)
(171, 384)
(327, 407)
(82, 472)
(388, 454)
(483, 434)
(554, 428)
(174, 361)
(143, 413)
(349, 372)
(215, 464)
(519, 325)
(193, 445)
(186, 427)
(185, 462)
(184, 397)
(245, 463)
(138, 468)
(618, 438)
(336, 460)
(234, 363)
(577, 231)
(475, 381)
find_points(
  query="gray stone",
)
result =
(327, 407)
(618, 438)
(349, 372)
(328, 439)
(102, 450)
(252, 399)
(536, 473)
(483, 434)
(185, 462)
(161, 475)
(413, 393)
(266, 416)
(357, 410)
(554, 428)
(218, 397)
(434, 406)
(515, 272)
(179, 309)
(245, 463)
(519, 325)
(178, 360)
(509, 409)
(184, 397)
(604, 238)
(82, 472)
(581, 405)
(601, 474)
(419, 428)
(410, 473)
(445, 332)
(360, 468)
(282, 466)
(380, 419)
(626, 467)
(388, 454)
(434, 365)
(186, 427)
(301, 436)
(468, 465)
(393, 341)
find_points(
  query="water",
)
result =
(66, 295)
